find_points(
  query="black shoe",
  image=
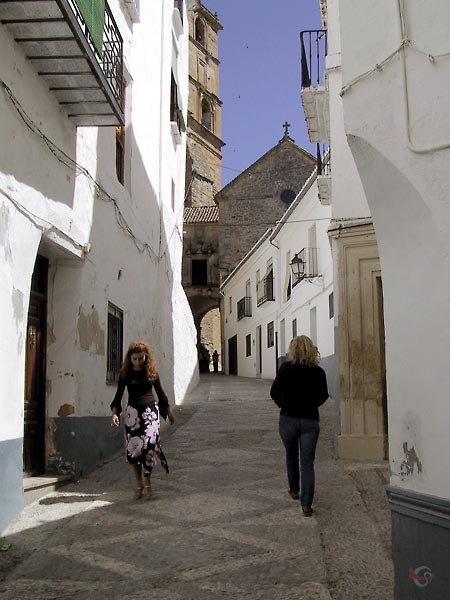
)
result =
(293, 495)
(307, 511)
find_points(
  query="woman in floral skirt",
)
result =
(139, 375)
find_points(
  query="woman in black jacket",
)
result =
(139, 375)
(300, 387)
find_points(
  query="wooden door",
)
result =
(232, 356)
(34, 402)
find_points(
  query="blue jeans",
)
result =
(300, 434)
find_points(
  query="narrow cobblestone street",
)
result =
(221, 525)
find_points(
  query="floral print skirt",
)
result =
(142, 441)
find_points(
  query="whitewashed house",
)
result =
(283, 287)
(361, 398)
(386, 90)
(93, 105)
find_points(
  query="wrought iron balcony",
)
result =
(264, 289)
(314, 94)
(307, 258)
(79, 52)
(314, 50)
(323, 175)
(244, 308)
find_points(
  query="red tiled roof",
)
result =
(201, 214)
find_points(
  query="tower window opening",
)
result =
(206, 115)
(200, 32)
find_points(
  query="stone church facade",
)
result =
(220, 226)
(256, 199)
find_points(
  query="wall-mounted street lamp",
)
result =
(298, 267)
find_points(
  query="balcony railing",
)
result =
(81, 58)
(314, 50)
(264, 289)
(110, 53)
(244, 308)
(323, 159)
(309, 257)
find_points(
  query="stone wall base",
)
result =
(420, 544)
(11, 485)
(84, 443)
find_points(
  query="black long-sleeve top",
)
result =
(140, 392)
(299, 390)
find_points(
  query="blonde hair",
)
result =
(302, 351)
(150, 363)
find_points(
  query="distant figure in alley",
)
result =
(299, 388)
(215, 360)
(139, 374)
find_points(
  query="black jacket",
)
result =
(299, 390)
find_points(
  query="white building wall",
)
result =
(48, 208)
(287, 239)
(396, 59)
(406, 180)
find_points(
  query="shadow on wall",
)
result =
(55, 184)
(123, 267)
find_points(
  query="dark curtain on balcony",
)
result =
(93, 12)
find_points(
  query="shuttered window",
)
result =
(115, 343)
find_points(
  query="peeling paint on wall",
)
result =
(50, 445)
(411, 459)
(55, 462)
(17, 301)
(89, 331)
(65, 410)
(18, 311)
(51, 339)
(4, 236)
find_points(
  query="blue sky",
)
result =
(259, 50)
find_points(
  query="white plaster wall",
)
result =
(308, 294)
(92, 260)
(291, 237)
(18, 239)
(348, 198)
(407, 184)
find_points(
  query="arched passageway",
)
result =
(210, 340)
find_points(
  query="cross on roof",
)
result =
(286, 126)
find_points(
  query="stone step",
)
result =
(37, 487)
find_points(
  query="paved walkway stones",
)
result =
(221, 525)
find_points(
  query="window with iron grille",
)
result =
(115, 343)
(331, 305)
(248, 345)
(176, 114)
(270, 336)
(264, 289)
(294, 328)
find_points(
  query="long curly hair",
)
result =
(302, 351)
(150, 363)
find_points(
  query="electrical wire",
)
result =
(71, 164)
(401, 51)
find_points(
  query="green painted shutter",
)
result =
(93, 12)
